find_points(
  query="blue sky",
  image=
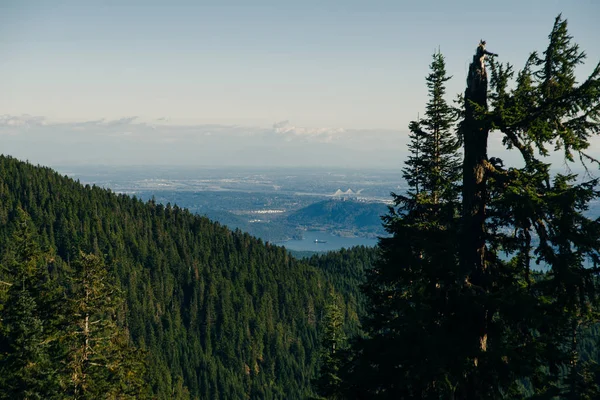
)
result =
(245, 82)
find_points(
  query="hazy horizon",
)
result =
(325, 84)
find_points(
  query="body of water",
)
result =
(332, 242)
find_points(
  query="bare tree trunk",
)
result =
(474, 196)
(475, 136)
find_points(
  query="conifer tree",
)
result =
(433, 165)
(450, 318)
(27, 369)
(333, 344)
(410, 285)
(100, 361)
(524, 325)
(432, 169)
(415, 162)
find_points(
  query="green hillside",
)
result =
(272, 231)
(218, 312)
(345, 215)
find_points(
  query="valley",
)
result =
(286, 206)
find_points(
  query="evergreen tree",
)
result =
(333, 344)
(26, 365)
(101, 362)
(433, 165)
(27, 370)
(410, 287)
(415, 162)
(448, 317)
(524, 324)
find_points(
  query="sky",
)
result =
(261, 83)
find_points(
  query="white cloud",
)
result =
(129, 140)
(323, 135)
(24, 120)
(118, 122)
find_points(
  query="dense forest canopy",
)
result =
(215, 313)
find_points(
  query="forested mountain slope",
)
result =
(345, 270)
(219, 312)
(341, 215)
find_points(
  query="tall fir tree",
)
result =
(410, 285)
(433, 167)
